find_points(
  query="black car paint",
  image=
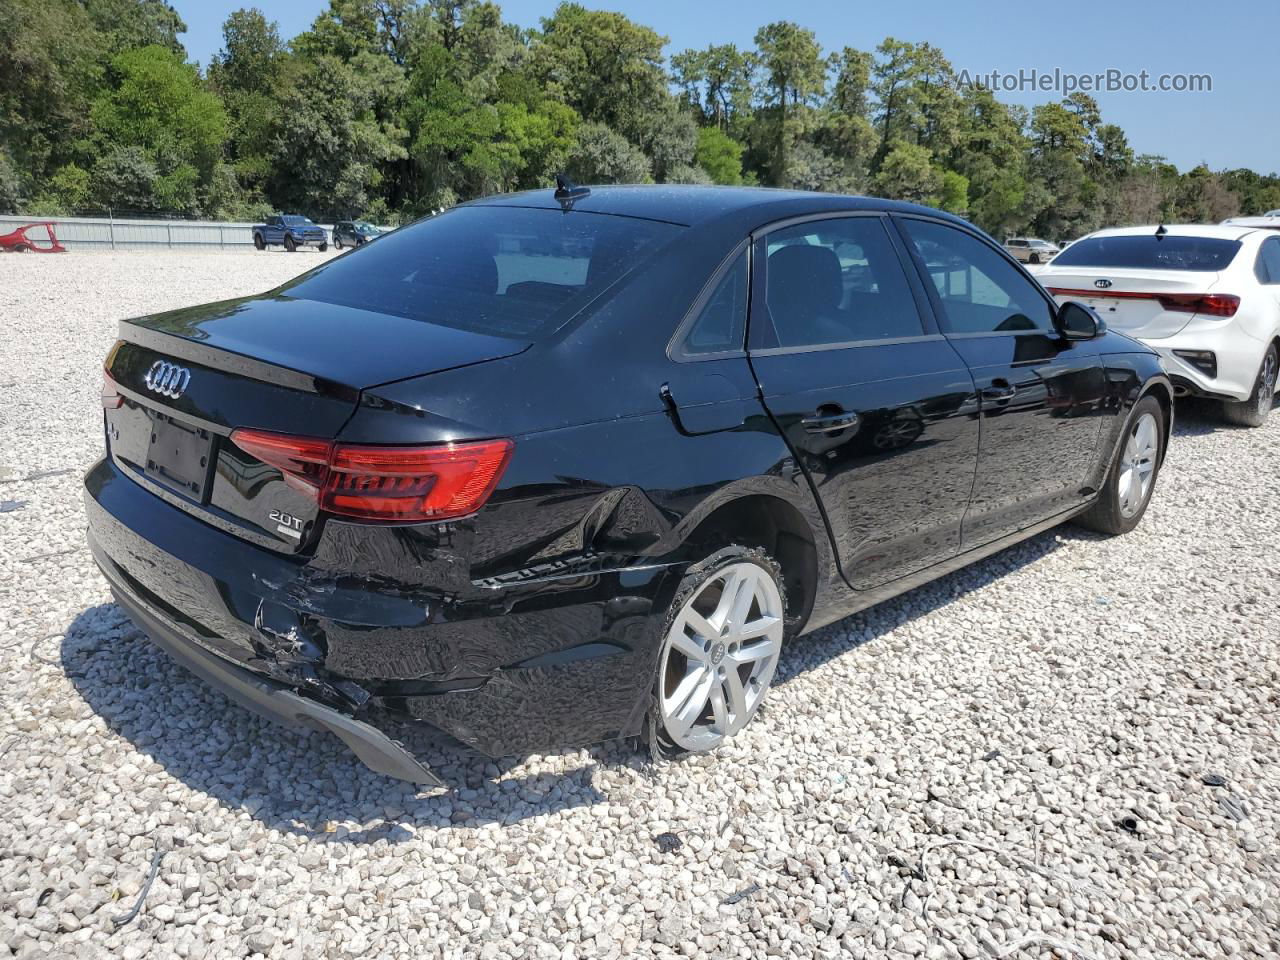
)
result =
(535, 622)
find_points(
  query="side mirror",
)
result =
(1075, 321)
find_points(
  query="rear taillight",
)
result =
(303, 461)
(111, 397)
(384, 483)
(1210, 304)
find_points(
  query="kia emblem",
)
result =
(1102, 284)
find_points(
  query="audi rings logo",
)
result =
(167, 379)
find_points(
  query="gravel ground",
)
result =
(1020, 755)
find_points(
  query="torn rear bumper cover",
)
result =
(277, 702)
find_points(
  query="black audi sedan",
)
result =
(558, 467)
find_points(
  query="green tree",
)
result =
(330, 146)
(601, 155)
(247, 74)
(719, 155)
(50, 72)
(132, 24)
(159, 107)
(716, 81)
(796, 75)
(606, 67)
(908, 173)
(10, 188)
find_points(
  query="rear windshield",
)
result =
(1152, 252)
(504, 271)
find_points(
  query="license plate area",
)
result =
(179, 457)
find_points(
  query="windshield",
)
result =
(1150, 252)
(363, 227)
(505, 271)
(295, 221)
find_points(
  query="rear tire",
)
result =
(720, 646)
(1132, 478)
(258, 242)
(337, 244)
(1253, 412)
(290, 245)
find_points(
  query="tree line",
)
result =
(388, 109)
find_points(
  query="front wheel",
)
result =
(1253, 412)
(324, 247)
(720, 648)
(1127, 490)
(289, 244)
(1035, 258)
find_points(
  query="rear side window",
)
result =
(722, 320)
(981, 291)
(1268, 266)
(835, 281)
(503, 271)
(1150, 252)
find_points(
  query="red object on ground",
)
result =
(19, 242)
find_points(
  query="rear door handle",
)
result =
(999, 391)
(830, 422)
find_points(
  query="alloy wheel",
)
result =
(719, 656)
(1138, 465)
(1267, 383)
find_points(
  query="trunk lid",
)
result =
(189, 377)
(1128, 299)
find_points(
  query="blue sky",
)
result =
(1237, 124)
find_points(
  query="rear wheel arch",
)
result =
(775, 526)
(1163, 392)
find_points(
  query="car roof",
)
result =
(1221, 231)
(692, 205)
(1267, 222)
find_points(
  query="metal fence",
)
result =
(108, 233)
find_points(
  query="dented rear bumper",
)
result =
(508, 666)
(275, 701)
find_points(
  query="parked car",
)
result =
(1031, 250)
(353, 233)
(1206, 298)
(289, 231)
(595, 488)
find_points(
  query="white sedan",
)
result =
(1206, 297)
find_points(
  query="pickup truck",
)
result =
(290, 231)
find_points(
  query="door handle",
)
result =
(1000, 390)
(830, 422)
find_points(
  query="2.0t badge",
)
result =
(167, 379)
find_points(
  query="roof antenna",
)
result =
(567, 191)
(1161, 231)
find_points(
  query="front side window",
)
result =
(721, 322)
(504, 271)
(981, 291)
(835, 281)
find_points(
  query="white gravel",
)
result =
(946, 775)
